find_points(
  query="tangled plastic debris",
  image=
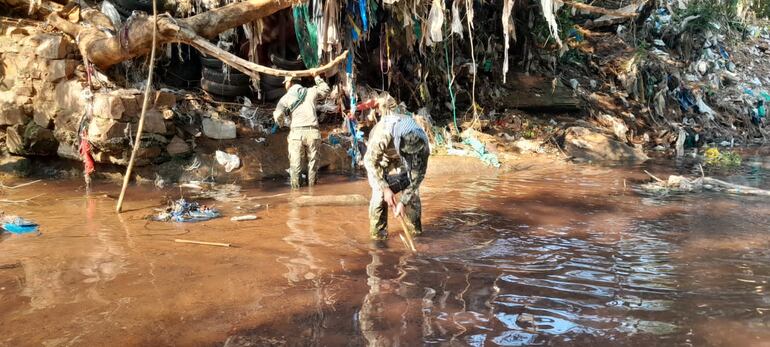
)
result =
(481, 151)
(186, 211)
(18, 225)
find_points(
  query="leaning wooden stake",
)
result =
(147, 88)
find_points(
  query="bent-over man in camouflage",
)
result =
(395, 142)
(299, 104)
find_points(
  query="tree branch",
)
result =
(135, 38)
(601, 10)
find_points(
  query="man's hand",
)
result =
(389, 197)
(399, 210)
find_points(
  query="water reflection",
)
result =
(556, 283)
(301, 265)
(535, 257)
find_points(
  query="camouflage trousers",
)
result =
(378, 212)
(301, 140)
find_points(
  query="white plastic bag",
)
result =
(229, 161)
(111, 12)
(508, 29)
(549, 12)
(457, 25)
(436, 22)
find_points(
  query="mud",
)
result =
(541, 254)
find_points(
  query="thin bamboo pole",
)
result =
(138, 140)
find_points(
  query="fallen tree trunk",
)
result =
(683, 184)
(601, 10)
(253, 69)
(135, 38)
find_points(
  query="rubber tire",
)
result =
(271, 81)
(236, 78)
(124, 12)
(225, 89)
(171, 79)
(211, 62)
(286, 64)
(141, 5)
(273, 95)
(183, 74)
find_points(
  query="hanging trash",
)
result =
(18, 225)
(509, 29)
(329, 36)
(307, 35)
(457, 25)
(112, 13)
(550, 7)
(229, 161)
(184, 211)
(469, 12)
(417, 28)
(436, 22)
(364, 20)
(319, 23)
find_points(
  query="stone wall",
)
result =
(44, 96)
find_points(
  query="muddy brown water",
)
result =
(542, 254)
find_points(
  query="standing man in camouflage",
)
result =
(299, 105)
(395, 142)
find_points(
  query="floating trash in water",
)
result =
(243, 218)
(186, 211)
(18, 225)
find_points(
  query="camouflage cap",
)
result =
(408, 137)
(412, 143)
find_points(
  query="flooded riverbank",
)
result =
(543, 254)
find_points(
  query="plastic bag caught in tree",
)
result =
(307, 35)
(457, 25)
(469, 12)
(509, 29)
(112, 13)
(330, 33)
(549, 13)
(436, 22)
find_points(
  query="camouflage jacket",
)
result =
(382, 156)
(304, 114)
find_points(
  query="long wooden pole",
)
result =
(203, 243)
(147, 89)
(407, 234)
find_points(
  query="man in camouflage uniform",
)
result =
(299, 104)
(395, 142)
